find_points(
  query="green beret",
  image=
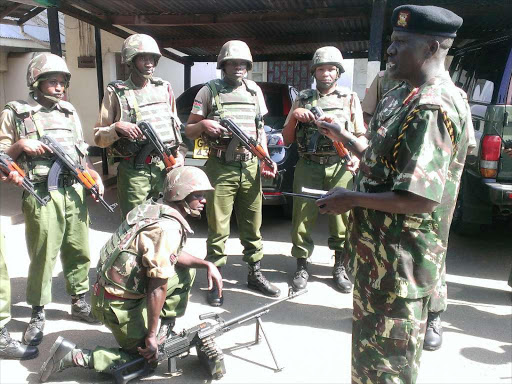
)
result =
(427, 20)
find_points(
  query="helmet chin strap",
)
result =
(40, 95)
(323, 86)
(186, 207)
(136, 70)
(232, 79)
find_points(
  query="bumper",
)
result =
(499, 194)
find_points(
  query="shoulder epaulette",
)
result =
(117, 84)
(158, 81)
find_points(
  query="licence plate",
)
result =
(200, 149)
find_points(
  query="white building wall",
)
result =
(203, 72)
(13, 75)
(360, 77)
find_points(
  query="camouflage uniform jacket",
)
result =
(420, 148)
(146, 245)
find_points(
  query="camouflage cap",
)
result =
(45, 63)
(139, 44)
(181, 182)
(234, 50)
(327, 56)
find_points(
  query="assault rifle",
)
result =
(7, 165)
(165, 152)
(65, 161)
(202, 337)
(340, 148)
(247, 141)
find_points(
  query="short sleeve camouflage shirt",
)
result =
(416, 146)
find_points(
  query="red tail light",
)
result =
(490, 155)
(280, 142)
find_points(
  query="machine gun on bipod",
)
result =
(202, 337)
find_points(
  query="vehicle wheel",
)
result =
(288, 208)
(459, 226)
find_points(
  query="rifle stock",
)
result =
(64, 161)
(200, 336)
(247, 141)
(7, 165)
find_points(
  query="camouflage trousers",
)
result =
(305, 212)
(5, 288)
(62, 226)
(387, 336)
(135, 186)
(438, 299)
(128, 319)
(237, 188)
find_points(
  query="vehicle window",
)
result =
(463, 70)
(486, 80)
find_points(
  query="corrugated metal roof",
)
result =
(36, 27)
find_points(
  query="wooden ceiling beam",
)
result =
(9, 9)
(266, 41)
(239, 18)
(30, 14)
(281, 57)
(102, 24)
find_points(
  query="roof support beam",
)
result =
(266, 41)
(281, 57)
(239, 18)
(54, 31)
(9, 9)
(30, 14)
(106, 26)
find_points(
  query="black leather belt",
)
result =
(323, 160)
(221, 154)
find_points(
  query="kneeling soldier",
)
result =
(144, 278)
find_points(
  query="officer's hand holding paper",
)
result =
(337, 200)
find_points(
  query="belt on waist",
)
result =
(328, 159)
(149, 160)
(62, 182)
(221, 154)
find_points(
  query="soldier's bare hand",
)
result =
(353, 165)
(336, 201)
(34, 147)
(180, 161)
(268, 172)
(212, 128)
(150, 353)
(303, 115)
(214, 277)
(13, 177)
(128, 130)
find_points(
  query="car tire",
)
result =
(288, 208)
(459, 226)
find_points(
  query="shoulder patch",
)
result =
(306, 93)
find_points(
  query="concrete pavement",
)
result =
(310, 335)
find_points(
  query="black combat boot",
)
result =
(257, 281)
(64, 354)
(13, 349)
(34, 333)
(339, 274)
(212, 297)
(166, 327)
(81, 311)
(300, 280)
(434, 334)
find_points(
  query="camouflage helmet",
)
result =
(182, 181)
(327, 56)
(137, 44)
(45, 63)
(234, 50)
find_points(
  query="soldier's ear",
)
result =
(432, 47)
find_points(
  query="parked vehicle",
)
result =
(484, 71)
(278, 98)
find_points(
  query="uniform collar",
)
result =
(336, 91)
(37, 106)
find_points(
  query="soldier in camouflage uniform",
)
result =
(144, 278)
(405, 195)
(22, 123)
(141, 97)
(233, 171)
(320, 166)
(9, 348)
(395, 92)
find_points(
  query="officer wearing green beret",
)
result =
(320, 165)
(143, 278)
(405, 196)
(62, 226)
(141, 97)
(233, 170)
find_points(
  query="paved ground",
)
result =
(309, 335)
